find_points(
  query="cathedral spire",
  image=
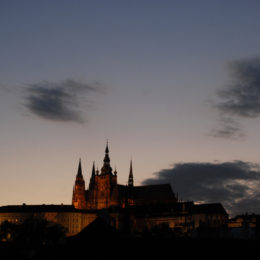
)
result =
(107, 150)
(106, 169)
(79, 174)
(93, 171)
(78, 196)
(107, 159)
(131, 176)
(92, 179)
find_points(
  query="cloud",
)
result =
(235, 184)
(240, 98)
(58, 101)
(228, 128)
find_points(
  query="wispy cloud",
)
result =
(236, 184)
(59, 101)
(240, 99)
(228, 128)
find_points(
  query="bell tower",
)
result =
(103, 191)
(78, 197)
(106, 169)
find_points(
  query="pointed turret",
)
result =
(79, 174)
(107, 150)
(115, 171)
(106, 169)
(92, 179)
(93, 171)
(107, 159)
(78, 197)
(97, 171)
(131, 177)
(130, 195)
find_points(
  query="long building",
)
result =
(135, 207)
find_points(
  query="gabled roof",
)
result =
(212, 208)
(160, 192)
(148, 194)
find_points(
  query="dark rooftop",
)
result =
(38, 208)
(154, 192)
(211, 208)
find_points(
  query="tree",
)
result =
(33, 232)
(39, 232)
(7, 231)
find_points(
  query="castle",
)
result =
(104, 192)
(134, 207)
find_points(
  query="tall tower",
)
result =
(131, 177)
(106, 169)
(92, 179)
(130, 198)
(79, 197)
(103, 191)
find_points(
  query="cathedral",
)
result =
(134, 207)
(104, 191)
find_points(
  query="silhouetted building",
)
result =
(125, 207)
(104, 191)
(245, 226)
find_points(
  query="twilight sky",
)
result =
(173, 84)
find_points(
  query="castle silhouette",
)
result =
(104, 191)
(134, 207)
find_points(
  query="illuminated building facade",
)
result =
(104, 192)
(136, 207)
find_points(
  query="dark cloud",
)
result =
(235, 184)
(62, 101)
(241, 97)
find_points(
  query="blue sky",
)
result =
(144, 74)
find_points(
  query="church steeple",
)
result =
(92, 179)
(79, 174)
(78, 197)
(107, 159)
(131, 176)
(106, 169)
(93, 170)
(107, 150)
